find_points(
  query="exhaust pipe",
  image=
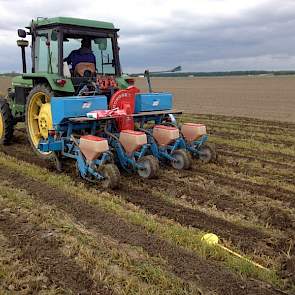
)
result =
(23, 44)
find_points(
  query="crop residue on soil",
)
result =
(247, 198)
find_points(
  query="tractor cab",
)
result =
(70, 57)
(74, 50)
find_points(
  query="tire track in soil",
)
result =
(232, 135)
(277, 219)
(244, 238)
(195, 194)
(250, 129)
(238, 168)
(184, 216)
(275, 193)
(44, 250)
(21, 150)
(226, 153)
(242, 121)
(276, 155)
(182, 263)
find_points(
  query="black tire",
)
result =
(47, 92)
(112, 176)
(207, 153)
(183, 160)
(6, 132)
(151, 165)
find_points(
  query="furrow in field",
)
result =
(42, 249)
(243, 237)
(194, 218)
(256, 168)
(236, 155)
(243, 121)
(229, 134)
(184, 264)
(124, 269)
(203, 192)
(272, 131)
(284, 153)
(262, 155)
(269, 191)
(197, 219)
(239, 127)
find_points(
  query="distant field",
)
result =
(270, 98)
(4, 85)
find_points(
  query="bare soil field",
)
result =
(5, 83)
(263, 97)
(270, 98)
(60, 235)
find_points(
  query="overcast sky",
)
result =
(200, 35)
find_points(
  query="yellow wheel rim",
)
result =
(39, 117)
(1, 126)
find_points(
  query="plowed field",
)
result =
(59, 235)
(264, 97)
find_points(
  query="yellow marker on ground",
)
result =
(213, 240)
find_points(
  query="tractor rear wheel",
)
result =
(182, 160)
(111, 176)
(6, 122)
(150, 167)
(38, 118)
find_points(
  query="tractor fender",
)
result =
(51, 79)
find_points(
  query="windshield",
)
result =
(100, 53)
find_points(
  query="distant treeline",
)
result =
(197, 74)
(12, 74)
(219, 74)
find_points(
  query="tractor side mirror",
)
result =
(21, 33)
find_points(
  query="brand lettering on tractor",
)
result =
(86, 105)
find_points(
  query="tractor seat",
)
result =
(84, 69)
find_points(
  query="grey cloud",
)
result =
(265, 31)
(258, 38)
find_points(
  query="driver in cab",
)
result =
(82, 60)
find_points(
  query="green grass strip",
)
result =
(188, 238)
(125, 270)
(254, 145)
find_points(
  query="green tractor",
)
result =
(52, 41)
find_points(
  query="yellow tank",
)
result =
(164, 135)
(92, 146)
(132, 140)
(192, 131)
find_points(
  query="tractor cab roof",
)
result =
(70, 21)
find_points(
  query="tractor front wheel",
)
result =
(6, 122)
(38, 118)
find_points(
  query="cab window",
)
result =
(46, 57)
(102, 48)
